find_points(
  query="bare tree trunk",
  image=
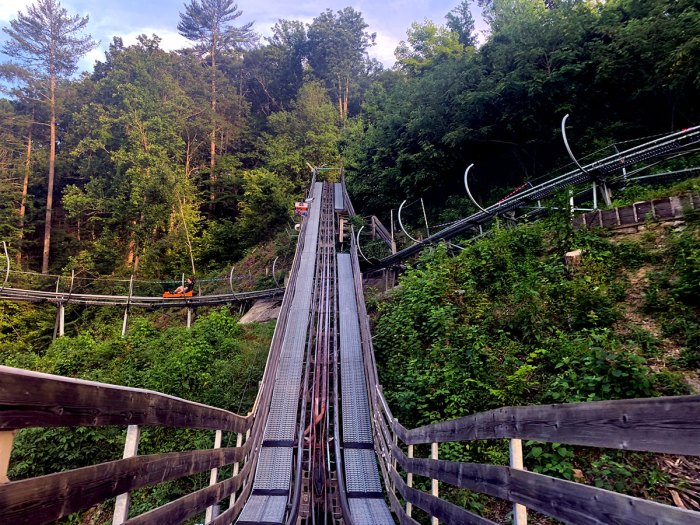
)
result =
(347, 96)
(52, 167)
(23, 202)
(187, 235)
(212, 152)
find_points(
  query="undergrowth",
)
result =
(505, 322)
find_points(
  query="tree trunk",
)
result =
(212, 152)
(52, 166)
(23, 202)
(347, 96)
(340, 99)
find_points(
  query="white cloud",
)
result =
(384, 48)
(9, 8)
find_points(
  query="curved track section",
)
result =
(595, 171)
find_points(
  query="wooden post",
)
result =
(131, 447)
(435, 488)
(236, 468)
(213, 510)
(409, 482)
(6, 439)
(516, 462)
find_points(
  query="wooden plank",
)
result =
(47, 498)
(664, 424)
(445, 511)
(567, 501)
(31, 399)
(192, 504)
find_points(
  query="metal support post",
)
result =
(213, 511)
(189, 317)
(128, 302)
(425, 216)
(6, 440)
(607, 194)
(595, 196)
(516, 462)
(131, 448)
(434, 483)
(409, 482)
(61, 319)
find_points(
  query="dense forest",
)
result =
(156, 163)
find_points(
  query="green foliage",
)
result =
(218, 362)
(505, 323)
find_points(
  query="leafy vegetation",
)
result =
(505, 322)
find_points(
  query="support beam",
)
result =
(131, 447)
(61, 319)
(516, 462)
(213, 511)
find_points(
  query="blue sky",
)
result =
(129, 18)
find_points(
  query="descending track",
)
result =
(317, 462)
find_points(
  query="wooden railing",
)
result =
(665, 425)
(32, 399)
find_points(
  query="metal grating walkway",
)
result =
(268, 501)
(338, 198)
(362, 484)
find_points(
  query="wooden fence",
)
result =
(665, 209)
(31, 399)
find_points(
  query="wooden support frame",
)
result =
(212, 510)
(131, 449)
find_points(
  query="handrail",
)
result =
(668, 425)
(35, 399)
(53, 498)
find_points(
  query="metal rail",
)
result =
(597, 170)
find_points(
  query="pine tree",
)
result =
(208, 23)
(46, 42)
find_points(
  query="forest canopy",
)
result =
(160, 161)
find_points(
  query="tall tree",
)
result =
(209, 24)
(338, 46)
(47, 42)
(461, 21)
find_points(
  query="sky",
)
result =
(389, 19)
